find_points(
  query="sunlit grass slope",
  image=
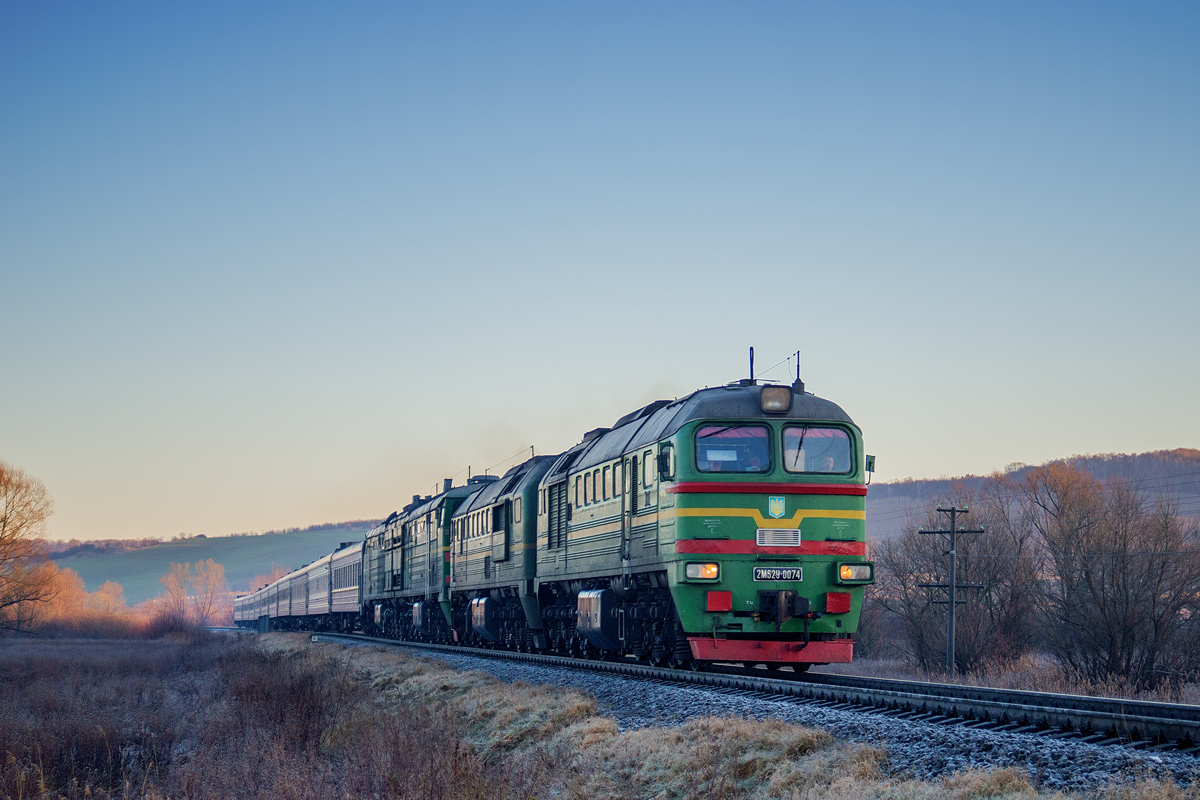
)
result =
(243, 557)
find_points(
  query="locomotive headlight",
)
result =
(703, 572)
(776, 399)
(856, 572)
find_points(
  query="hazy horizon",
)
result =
(265, 267)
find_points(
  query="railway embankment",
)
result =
(281, 716)
(608, 736)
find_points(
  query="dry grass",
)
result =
(211, 717)
(97, 718)
(206, 717)
(554, 737)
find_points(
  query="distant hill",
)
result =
(138, 569)
(1174, 473)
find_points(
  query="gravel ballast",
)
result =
(918, 749)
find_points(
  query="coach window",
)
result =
(604, 480)
(587, 489)
(578, 483)
(617, 479)
(733, 448)
(596, 486)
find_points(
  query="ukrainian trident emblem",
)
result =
(775, 507)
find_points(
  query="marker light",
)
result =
(776, 399)
(855, 572)
(704, 572)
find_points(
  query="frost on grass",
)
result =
(292, 719)
(556, 739)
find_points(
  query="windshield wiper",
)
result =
(718, 431)
(800, 446)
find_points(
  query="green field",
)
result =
(243, 557)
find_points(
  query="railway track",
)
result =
(1106, 721)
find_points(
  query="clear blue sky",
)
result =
(265, 265)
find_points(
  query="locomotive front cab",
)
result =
(770, 548)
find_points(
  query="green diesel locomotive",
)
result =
(728, 525)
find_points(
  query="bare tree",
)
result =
(25, 582)
(996, 622)
(176, 583)
(109, 599)
(211, 593)
(276, 572)
(1122, 574)
(904, 562)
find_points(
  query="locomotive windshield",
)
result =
(809, 448)
(733, 448)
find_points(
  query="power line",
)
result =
(1081, 555)
(777, 364)
(510, 458)
(1111, 482)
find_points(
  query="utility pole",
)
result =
(952, 584)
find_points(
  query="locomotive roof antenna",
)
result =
(752, 365)
(799, 384)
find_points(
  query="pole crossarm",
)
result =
(947, 586)
(960, 530)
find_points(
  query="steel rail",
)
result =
(1136, 723)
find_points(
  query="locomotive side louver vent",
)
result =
(777, 537)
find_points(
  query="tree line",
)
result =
(1102, 576)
